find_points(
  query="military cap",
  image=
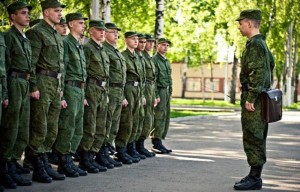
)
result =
(163, 40)
(141, 36)
(149, 37)
(112, 26)
(97, 24)
(250, 14)
(51, 4)
(62, 21)
(130, 34)
(33, 22)
(74, 16)
(16, 6)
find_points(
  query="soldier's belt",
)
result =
(25, 76)
(133, 83)
(75, 83)
(120, 85)
(100, 83)
(167, 87)
(150, 81)
(53, 74)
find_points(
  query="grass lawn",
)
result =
(175, 113)
(200, 102)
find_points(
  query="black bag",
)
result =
(271, 101)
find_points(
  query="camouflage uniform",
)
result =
(3, 92)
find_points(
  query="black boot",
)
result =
(131, 150)
(48, 168)
(65, 166)
(16, 177)
(251, 182)
(101, 159)
(77, 169)
(157, 147)
(21, 169)
(163, 147)
(109, 159)
(142, 150)
(53, 157)
(85, 163)
(122, 156)
(1, 188)
(95, 164)
(111, 149)
(39, 173)
(5, 179)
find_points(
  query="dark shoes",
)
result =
(85, 162)
(142, 150)
(21, 169)
(102, 160)
(5, 179)
(16, 177)
(248, 183)
(65, 166)
(39, 173)
(51, 172)
(122, 156)
(158, 147)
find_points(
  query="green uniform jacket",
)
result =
(149, 67)
(143, 74)
(255, 68)
(117, 68)
(2, 67)
(133, 65)
(163, 73)
(47, 50)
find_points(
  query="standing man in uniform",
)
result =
(70, 123)
(15, 122)
(256, 70)
(45, 91)
(117, 79)
(163, 95)
(61, 27)
(94, 130)
(147, 125)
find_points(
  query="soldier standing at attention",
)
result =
(149, 95)
(117, 79)
(70, 123)
(163, 95)
(15, 121)
(45, 91)
(256, 68)
(61, 27)
(94, 130)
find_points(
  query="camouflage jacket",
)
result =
(2, 67)
(150, 67)
(134, 70)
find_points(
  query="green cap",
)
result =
(97, 24)
(51, 4)
(250, 14)
(62, 21)
(149, 37)
(112, 26)
(130, 34)
(16, 6)
(163, 40)
(33, 22)
(141, 36)
(74, 16)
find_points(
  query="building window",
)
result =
(193, 84)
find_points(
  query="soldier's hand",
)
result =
(63, 104)
(144, 101)
(35, 95)
(124, 103)
(61, 94)
(249, 106)
(85, 103)
(157, 100)
(5, 103)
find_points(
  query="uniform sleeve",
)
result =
(156, 77)
(3, 67)
(8, 42)
(66, 62)
(87, 54)
(171, 81)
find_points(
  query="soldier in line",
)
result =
(163, 94)
(94, 130)
(70, 123)
(130, 113)
(117, 79)
(3, 96)
(61, 27)
(45, 91)
(15, 121)
(256, 68)
(147, 125)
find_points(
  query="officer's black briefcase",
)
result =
(271, 101)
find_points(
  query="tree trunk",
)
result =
(295, 69)
(106, 11)
(95, 9)
(288, 61)
(233, 80)
(159, 20)
(212, 89)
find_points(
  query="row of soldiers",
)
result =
(61, 97)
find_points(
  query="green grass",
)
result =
(294, 106)
(200, 102)
(175, 113)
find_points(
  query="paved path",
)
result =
(208, 157)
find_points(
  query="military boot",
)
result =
(77, 169)
(65, 166)
(122, 156)
(5, 179)
(111, 149)
(48, 168)
(109, 159)
(53, 157)
(131, 150)
(21, 169)
(157, 147)
(39, 173)
(142, 150)
(252, 181)
(1, 188)
(163, 147)
(101, 159)
(95, 164)
(16, 177)
(85, 163)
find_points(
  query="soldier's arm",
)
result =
(7, 59)
(171, 81)
(156, 76)
(66, 62)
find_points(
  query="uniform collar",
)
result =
(47, 26)
(92, 42)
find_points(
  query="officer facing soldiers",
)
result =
(163, 95)
(45, 91)
(70, 123)
(256, 70)
(61, 27)
(94, 130)
(15, 122)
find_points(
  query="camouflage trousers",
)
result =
(113, 114)
(15, 122)
(162, 115)
(70, 125)
(255, 132)
(44, 114)
(147, 124)
(129, 116)
(94, 119)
